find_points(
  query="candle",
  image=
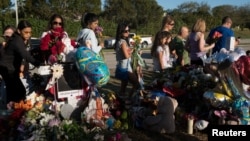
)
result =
(190, 125)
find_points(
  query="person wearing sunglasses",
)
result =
(56, 45)
(123, 58)
(11, 59)
(167, 23)
(87, 37)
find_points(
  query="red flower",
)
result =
(216, 36)
(73, 43)
(58, 32)
(17, 114)
(53, 41)
(53, 50)
(60, 46)
(45, 41)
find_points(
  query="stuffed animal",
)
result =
(164, 120)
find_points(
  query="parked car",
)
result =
(109, 43)
(35, 50)
(146, 41)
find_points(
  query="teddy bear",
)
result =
(163, 121)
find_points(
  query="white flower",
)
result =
(67, 122)
(46, 118)
(57, 71)
(33, 121)
(98, 137)
(43, 122)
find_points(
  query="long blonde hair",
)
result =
(199, 26)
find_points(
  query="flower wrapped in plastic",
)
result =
(136, 56)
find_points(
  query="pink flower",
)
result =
(54, 122)
(52, 59)
(98, 31)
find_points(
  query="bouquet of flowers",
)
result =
(216, 36)
(136, 53)
(136, 56)
(98, 32)
(53, 42)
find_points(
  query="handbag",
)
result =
(121, 73)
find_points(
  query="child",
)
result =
(160, 51)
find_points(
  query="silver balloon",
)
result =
(217, 99)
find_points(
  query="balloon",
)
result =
(94, 70)
(217, 99)
(242, 68)
(201, 124)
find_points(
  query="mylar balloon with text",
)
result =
(92, 67)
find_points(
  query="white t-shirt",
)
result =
(88, 34)
(167, 63)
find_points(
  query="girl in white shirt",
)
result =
(160, 51)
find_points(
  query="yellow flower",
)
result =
(137, 39)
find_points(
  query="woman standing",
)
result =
(87, 36)
(167, 23)
(123, 58)
(55, 44)
(11, 60)
(196, 43)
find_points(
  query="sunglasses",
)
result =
(57, 23)
(125, 31)
(171, 24)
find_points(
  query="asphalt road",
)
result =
(109, 54)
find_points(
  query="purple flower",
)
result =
(98, 29)
(54, 122)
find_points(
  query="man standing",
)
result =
(226, 31)
(178, 49)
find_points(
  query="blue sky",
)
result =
(171, 4)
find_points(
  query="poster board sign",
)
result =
(70, 84)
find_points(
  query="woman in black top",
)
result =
(11, 59)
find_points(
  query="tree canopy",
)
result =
(144, 16)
